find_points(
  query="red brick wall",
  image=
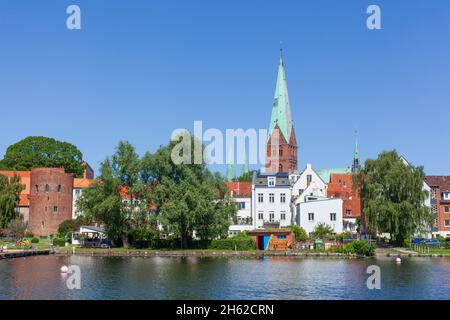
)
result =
(281, 156)
(341, 187)
(43, 218)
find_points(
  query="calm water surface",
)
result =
(223, 278)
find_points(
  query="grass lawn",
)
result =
(439, 251)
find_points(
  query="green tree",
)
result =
(34, 152)
(322, 231)
(188, 197)
(393, 198)
(10, 189)
(117, 198)
(299, 232)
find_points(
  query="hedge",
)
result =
(35, 240)
(232, 244)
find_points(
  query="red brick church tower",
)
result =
(281, 152)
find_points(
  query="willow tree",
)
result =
(393, 197)
(117, 198)
(10, 189)
(188, 197)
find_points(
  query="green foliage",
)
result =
(322, 231)
(72, 225)
(232, 244)
(10, 189)
(245, 177)
(35, 240)
(393, 198)
(407, 242)
(361, 247)
(29, 234)
(35, 152)
(343, 235)
(300, 233)
(188, 197)
(59, 242)
(118, 197)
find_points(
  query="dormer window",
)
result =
(271, 181)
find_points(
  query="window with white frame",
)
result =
(332, 216)
(447, 223)
(271, 216)
(311, 216)
(283, 197)
(260, 215)
(271, 181)
(260, 198)
(271, 197)
(283, 215)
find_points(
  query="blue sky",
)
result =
(137, 70)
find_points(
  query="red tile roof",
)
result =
(443, 182)
(82, 183)
(240, 189)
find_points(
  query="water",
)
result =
(223, 278)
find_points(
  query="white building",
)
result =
(316, 210)
(271, 200)
(307, 183)
(241, 193)
(310, 206)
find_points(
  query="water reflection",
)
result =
(223, 278)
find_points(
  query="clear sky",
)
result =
(137, 70)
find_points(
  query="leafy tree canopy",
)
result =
(393, 197)
(10, 189)
(35, 152)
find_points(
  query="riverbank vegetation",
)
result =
(393, 198)
(140, 200)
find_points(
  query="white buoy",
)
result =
(398, 260)
(64, 269)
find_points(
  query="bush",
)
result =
(232, 244)
(343, 235)
(59, 242)
(299, 232)
(407, 242)
(35, 240)
(29, 234)
(360, 247)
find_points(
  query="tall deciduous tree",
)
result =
(393, 197)
(33, 152)
(188, 197)
(117, 197)
(10, 189)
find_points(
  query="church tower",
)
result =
(281, 152)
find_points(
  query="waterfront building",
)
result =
(273, 239)
(440, 204)
(341, 187)
(319, 210)
(241, 193)
(49, 197)
(271, 200)
(281, 150)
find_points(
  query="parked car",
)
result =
(433, 243)
(417, 240)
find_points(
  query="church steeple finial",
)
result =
(356, 165)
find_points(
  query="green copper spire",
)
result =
(281, 109)
(356, 165)
(231, 171)
(245, 168)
